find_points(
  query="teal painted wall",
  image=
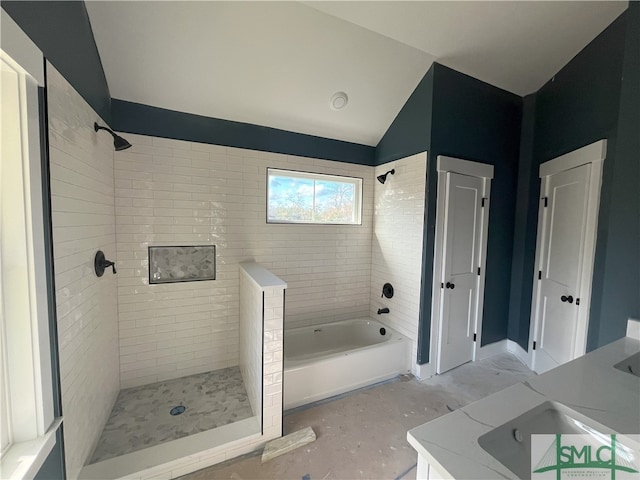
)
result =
(584, 102)
(453, 114)
(617, 284)
(525, 220)
(159, 122)
(62, 31)
(53, 466)
(476, 121)
(578, 106)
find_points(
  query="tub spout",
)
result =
(383, 310)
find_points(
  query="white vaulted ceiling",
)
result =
(278, 63)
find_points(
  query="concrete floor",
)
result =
(363, 434)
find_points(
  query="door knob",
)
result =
(450, 285)
(566, 299)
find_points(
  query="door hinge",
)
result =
(534, 345)
(546, 201)
(474, 337)
(483, 200)
(478, 270)
(539, 274)
(577, 301)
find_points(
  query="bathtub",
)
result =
(321, 361)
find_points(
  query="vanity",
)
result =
(596, 394)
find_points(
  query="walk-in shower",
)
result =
(190, 422)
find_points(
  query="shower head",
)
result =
(119, 143)
(383, 178)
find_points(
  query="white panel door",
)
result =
(563, 229)
(459, 282)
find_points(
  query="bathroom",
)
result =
(193, 180)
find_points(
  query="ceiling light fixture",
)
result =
(339, 101)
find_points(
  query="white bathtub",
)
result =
(325, 360)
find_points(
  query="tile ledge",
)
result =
(261, 276)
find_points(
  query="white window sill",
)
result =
(24, 459)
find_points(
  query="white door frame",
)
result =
(595, 155)
(474, 169)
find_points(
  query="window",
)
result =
(27, 418)
(300, 197)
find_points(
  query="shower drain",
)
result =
(177, 410)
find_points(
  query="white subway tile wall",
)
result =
(251, 340)
(274, 300)
(82, 199)
(172, 192)
(397, 244)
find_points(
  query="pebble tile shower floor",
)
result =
(141, 418)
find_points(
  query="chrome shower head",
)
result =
(119, 143)
(383, 178)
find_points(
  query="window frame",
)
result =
(358, 183)
(26, 326)
(5, 401)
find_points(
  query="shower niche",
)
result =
(171, 264)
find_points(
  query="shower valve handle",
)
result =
(100, 264)
(109, 263)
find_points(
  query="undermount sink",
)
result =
(630, 365)
(510, 443)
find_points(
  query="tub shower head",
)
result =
(119, 143)
(383, 178)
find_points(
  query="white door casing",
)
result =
(460, 259)
(565, 249)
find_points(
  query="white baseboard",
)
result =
(425, 371)
(422, 372)
(633, 328)
(491, 350)
(519, 352)
(504, 346)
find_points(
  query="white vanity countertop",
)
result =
(589, 385)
